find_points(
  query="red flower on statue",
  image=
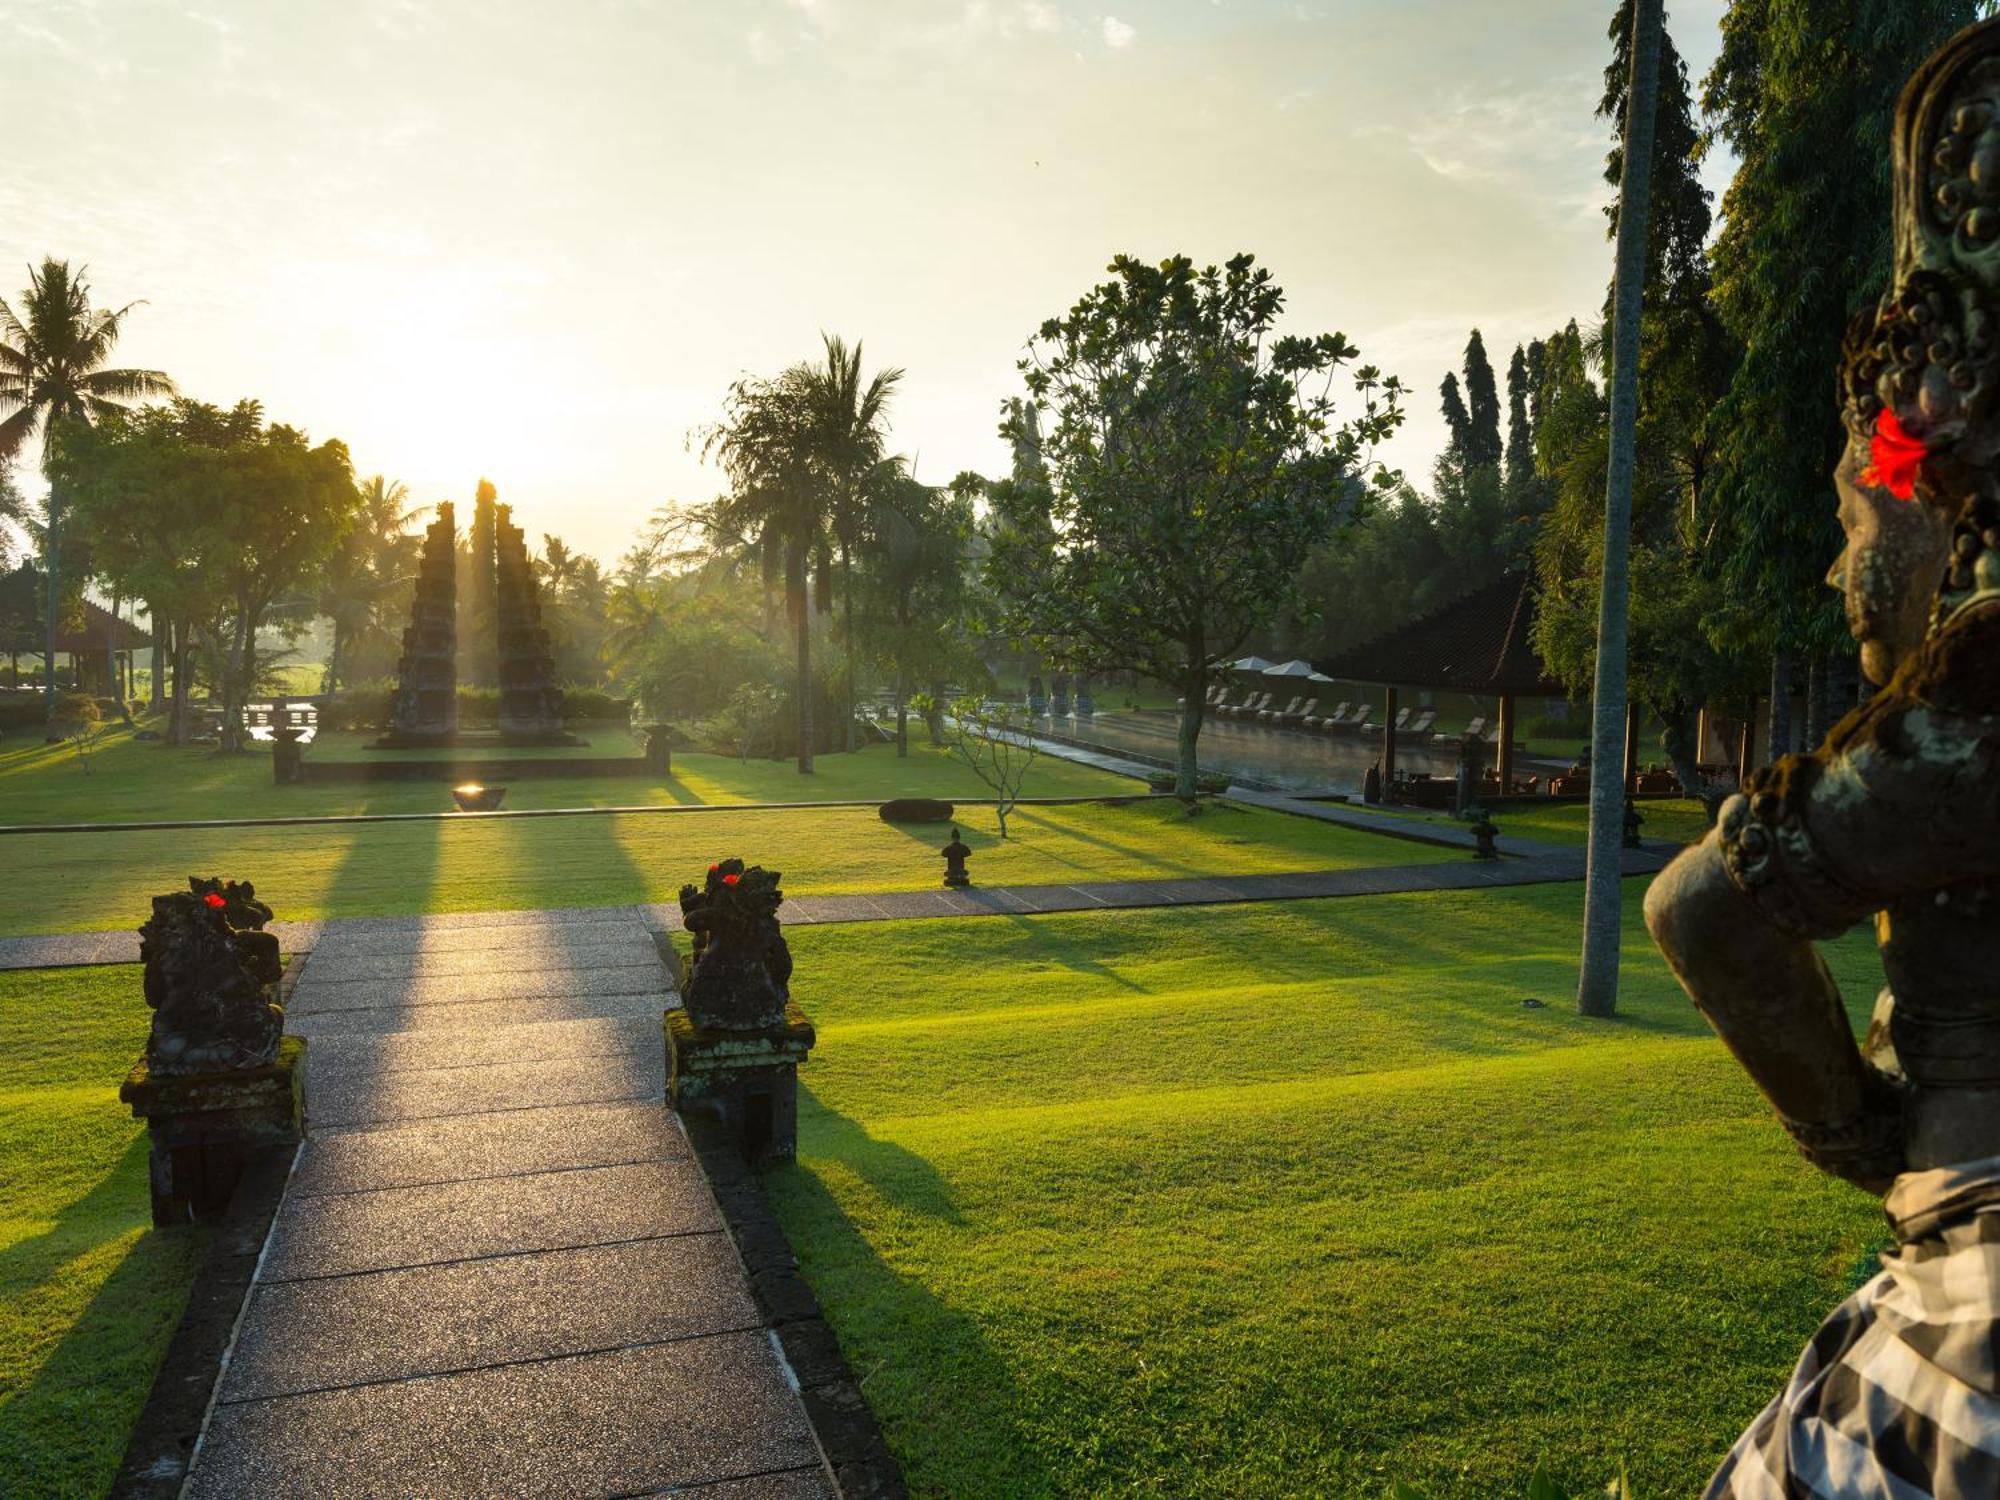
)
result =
(713, 868)
(1895, 455)
(214, 900)
(731, 879)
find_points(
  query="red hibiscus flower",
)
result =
(731, 879)
(214, 900)
(713, 868)
(1894, 455)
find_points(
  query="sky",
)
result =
(537, 241)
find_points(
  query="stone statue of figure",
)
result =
(1895, 817)
(211, 978)
(740, 975)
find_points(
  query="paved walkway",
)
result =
(497, 1269)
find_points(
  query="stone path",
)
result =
(497, 1269)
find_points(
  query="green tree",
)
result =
(1803, 91)
(1482, 406)
(217, 508)
(1193, 460)
(913, 583)
(53, 375)
(358, 586)
(1520, 432)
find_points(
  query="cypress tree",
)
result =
(1453, 406)
(1482, 406)
(1520, 432)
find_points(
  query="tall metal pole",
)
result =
(1597, 980)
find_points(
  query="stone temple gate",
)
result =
(426, 703)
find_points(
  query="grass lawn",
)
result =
(1294, 1199)
(89, 1293)
(130, 781)
(89, 881)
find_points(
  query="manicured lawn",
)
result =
(85, 881)
(1293, 1199)
(89, 1294)
(130, 781)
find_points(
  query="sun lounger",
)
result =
(1250, 707)
(1418, 728)
(1354, 721)
(1320, 721)
(1270, 715)
(1477, 726)
(1298, 715)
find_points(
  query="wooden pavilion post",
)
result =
(1746, 750)
(1388, 742)
(1506, 759)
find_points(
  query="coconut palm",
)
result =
(52, 372)
(373, 563)
(849, 419)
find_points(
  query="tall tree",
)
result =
(368, 570)
(849, 417)
(1457, 421)
(216, 508)
(1194, 459)
(52, 373)
(1482, 406)
(913, 581)
(1803, 92)
(1520, 432)
(1597, 980)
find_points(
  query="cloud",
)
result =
(1117, 33)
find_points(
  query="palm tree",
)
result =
(52, 356)
(377, 557)
(850, 433)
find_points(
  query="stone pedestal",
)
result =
(659, 750)
(206, 1127)
(747, 1079)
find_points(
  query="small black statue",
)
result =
(955, 854)
(1485, 832)
(1634, 820)
(1371, 784)
(739, 978)
(211, 979)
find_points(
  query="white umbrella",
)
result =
(1290, 669)
(1321, 677)
(1250, 664)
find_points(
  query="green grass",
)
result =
(1290, 1199)
(133, 781)
(89, 1294)
(90, 881)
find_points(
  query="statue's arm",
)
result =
(1770, 998)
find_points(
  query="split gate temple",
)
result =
(503, 596)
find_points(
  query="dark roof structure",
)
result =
(1479, 643)
(21, 621)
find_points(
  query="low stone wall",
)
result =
(491, 772)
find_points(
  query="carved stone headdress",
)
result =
(1929, 353)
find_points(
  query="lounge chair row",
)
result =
(1303, 712)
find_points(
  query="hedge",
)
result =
(371, 707)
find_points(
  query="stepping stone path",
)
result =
(497, 1269)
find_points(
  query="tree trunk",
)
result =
(159, 689)
(330, 683)
(177, 725)
(1186, 751)
(51, 612)
(902, 714)
(934, 720)
(847, 630)
(1677, 739)
(802, 620)
(1816, 700)
(1603, 914)
(1782, 668)
(119, 687)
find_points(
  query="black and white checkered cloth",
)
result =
(1897, 1397)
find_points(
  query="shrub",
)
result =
(915, 810)
(29, 710)
(1206, 783)
(372, 705)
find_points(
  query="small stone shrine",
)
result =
(735, 1043)
(1894, 820)
(531, 708)
(955, 855)
(219, 1081)
(426, 704)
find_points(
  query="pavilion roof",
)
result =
(21, 614)
(1479, 643)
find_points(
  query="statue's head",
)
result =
(1921, 372)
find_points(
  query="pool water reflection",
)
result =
(1289, 760)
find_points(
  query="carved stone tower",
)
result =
(426, 705)
(530, 700)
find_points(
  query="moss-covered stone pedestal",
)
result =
(206, 1127)
(747, 1079)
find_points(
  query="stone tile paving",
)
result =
(498, 1269)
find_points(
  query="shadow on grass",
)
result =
(947, 1401)
(65, 1430)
